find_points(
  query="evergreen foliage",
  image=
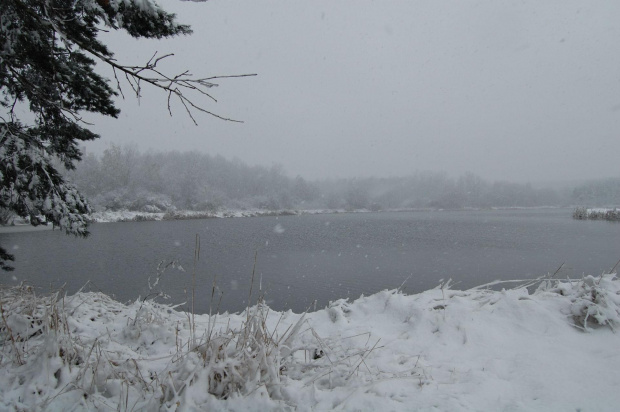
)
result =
(48, 50)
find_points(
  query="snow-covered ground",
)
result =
(110, 216)
(126, 215)
(552, 349)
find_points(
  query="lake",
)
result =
(308, 258)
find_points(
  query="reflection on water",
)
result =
(300, 259)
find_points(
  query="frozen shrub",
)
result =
(580, 213)
(612, 214)
(594, 304)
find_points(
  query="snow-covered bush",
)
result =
(595, 304)
(151, 202)
(594, 301)
(582, 213)
(119, 199)
(612, 214)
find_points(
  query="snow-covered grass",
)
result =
(110, 216)
(554, 347)
(581, 213)
(137, 216)
(134, 216)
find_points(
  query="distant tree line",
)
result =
(434, 190)
(125, 178)
(598, 193)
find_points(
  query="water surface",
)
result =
(302, 259)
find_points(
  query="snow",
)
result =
(597, 213)
(127, 215)
(108, 216)
(553, 348)
(600, 210)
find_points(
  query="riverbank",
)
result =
(21, 225)
(139, 216)
(134, 216)
(552, 348)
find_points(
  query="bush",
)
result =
(595, 302)
(580, 213)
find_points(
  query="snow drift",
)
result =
(553, 347)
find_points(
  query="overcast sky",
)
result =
(509, 90)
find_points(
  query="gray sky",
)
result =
(509, 90)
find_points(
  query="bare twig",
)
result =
(558, 270)
(363, 359)
(172, 84)
(613, 270)
(196, 259)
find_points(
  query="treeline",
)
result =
(125, 178)
(598, 193)
(434, 190)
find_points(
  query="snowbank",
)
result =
(134, 216)
(552, 349)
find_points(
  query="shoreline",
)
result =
(123, 216)
(136, 216)
(552, 348)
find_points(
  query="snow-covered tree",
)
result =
(48, 51)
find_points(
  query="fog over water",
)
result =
(520, 91)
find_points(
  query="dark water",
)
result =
(301, 259)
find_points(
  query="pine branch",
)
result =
(47, 63)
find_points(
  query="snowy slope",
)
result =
(552, 349)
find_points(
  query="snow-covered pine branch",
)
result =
(48, 52)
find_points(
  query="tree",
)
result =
(116, 166)
(48, 51)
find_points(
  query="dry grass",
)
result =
(92, 351)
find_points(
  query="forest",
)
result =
(125, 178)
